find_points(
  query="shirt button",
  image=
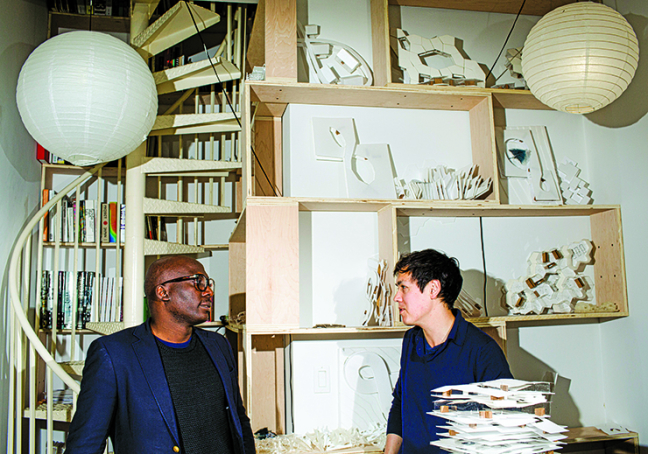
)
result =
(176, 449)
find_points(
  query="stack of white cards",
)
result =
(497, 417)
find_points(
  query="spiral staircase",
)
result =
(215, 84)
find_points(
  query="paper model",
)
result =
(368, 168)
(469, 306)
(497, 417)
(443, 183)
(554, 281)
(575, 191)
(378, 295)
(333, 62)
(525, 152)
(414, 50)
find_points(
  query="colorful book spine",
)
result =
(113, 222)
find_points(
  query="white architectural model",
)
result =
(575, 191)
(525, 152)
(443, 183)
(333, 62)
(497, 417)
(554, 281)
(378, 295)
(413, 50)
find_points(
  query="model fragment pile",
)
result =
(443, 183)
(554, 281)
(575, 191)
(497, 417)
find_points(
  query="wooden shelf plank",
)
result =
(534, 8)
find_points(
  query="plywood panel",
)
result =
(236, 279)
(482, 137)
(609, 262)
(272, 268)
(268, 157)
(255, 55)
(267, 406)
(380, 42)
(281, 40)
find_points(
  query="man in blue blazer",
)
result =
(163, 386)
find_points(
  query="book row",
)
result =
(97, 299)
(110, 217)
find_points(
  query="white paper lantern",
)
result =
(580, 57)
(87, 97)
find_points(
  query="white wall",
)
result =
(602, 365)
(23, 25)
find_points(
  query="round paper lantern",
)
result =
(580, 57)
(87, 97)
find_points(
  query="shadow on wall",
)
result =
(525, 366)
(12, 141)
(632, 105)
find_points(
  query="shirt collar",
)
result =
(456, 335)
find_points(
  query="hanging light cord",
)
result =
(481, 235)
(275, 190)
(490, 71)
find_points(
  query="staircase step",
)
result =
(195, 75)
(167, 125)
(105, 327)
(173, 27)
(61, 412)
(154, 247)
(188, 167)
(73, 368)
(171, 208)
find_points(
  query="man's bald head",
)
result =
(162, 270)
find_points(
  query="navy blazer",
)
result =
(125, 396)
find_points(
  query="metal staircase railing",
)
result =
(24, 339)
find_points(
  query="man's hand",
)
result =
(393, 443)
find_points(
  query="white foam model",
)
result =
(575, 191)
(554, 281)
(412, 50)
(525, 152)
(378, 295)
(443, 183)
(333, 62)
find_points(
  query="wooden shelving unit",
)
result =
(264, 247)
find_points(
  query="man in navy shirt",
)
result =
(441, 349)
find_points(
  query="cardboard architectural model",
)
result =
(497, 417)
(554, 281)
(333, 62)
(378, 295)
(575, 191)
(414, 50)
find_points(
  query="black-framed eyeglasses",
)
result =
(200, 281)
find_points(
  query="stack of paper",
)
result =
(497, 417)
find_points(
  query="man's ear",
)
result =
(434, 288)
(161, 293)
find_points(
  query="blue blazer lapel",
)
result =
(150, 361)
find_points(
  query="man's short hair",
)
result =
(429, 264)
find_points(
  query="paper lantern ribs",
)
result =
(87, 97)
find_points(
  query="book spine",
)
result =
(46, 218)
(113, 222)
(42, 155)
(122, 223)
(105, 223)
(80, 283)
(82, 221)
(90, 221)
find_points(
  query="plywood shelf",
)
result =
(535, 8)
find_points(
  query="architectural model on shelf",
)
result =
(575, 191)
(525, 152)
(497, 417)
(378, 295)
(554, 281)
(333, 62)
(413, 50)
(443, 183)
